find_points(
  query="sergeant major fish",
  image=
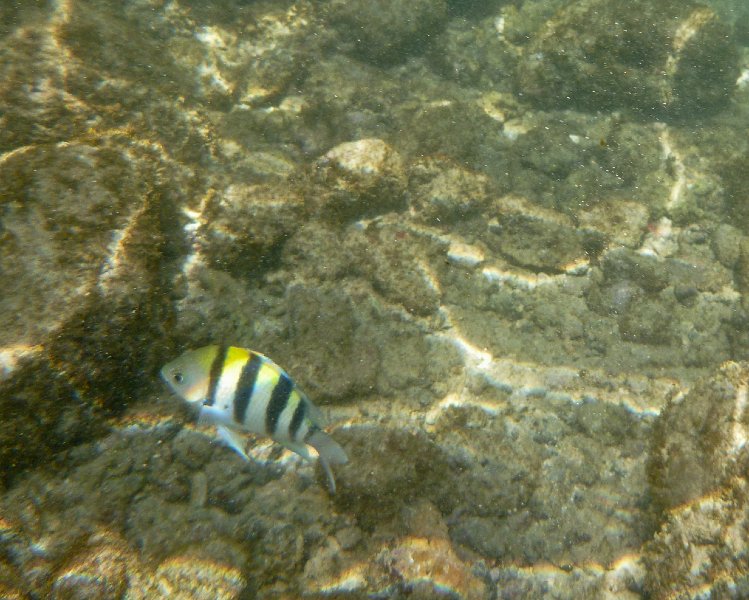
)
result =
(242, 391)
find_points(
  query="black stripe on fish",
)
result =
(296, 420)
(245, 387)
(278, 400)
(217, 367)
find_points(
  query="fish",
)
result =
(241, 391)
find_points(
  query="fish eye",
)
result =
(178, 377)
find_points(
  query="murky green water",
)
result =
(502, 246)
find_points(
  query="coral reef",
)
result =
(503, 246)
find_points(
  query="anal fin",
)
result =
(300, 449)
(330, 453)
(303, 451)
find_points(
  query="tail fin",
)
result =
(330, 453)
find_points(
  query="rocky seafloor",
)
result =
(504, 246)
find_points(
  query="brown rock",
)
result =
(699, 438)
(245, 227)
(538, 239)
(387, 468)
(84, 243)
(673, 59)
(433, 564)
(362, 178)
(98, 571)
(701, 545)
